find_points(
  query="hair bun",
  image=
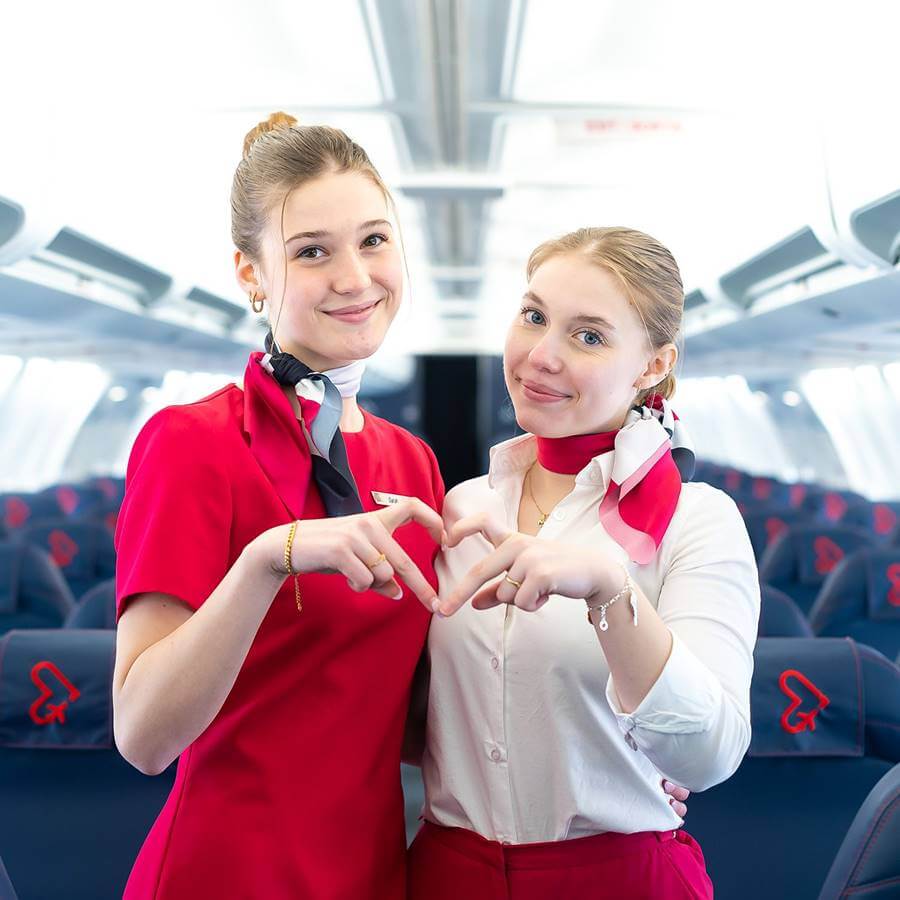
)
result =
(278, 121)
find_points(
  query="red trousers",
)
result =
(456, 864)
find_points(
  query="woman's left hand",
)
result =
(539, 567)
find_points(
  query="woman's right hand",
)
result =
(350, 545)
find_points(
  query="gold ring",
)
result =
(512, 581)
(375, 562)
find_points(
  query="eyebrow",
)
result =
(593, 320)
(321, 234)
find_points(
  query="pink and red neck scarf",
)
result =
(653, 456)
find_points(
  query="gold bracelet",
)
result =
(288, 546)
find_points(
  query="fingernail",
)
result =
(398, 595)
(436, 608)
(667, 785)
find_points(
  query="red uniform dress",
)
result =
(293, 791)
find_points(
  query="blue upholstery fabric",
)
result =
(96, 609)
(83, 550)
(75, 813)
(774, 827)
(6, 888)
(73, 499)
(18, 510)
(766, 523)
(779, 616)
(861, 599)
(868, 862)
(800, 559)
(33, 592)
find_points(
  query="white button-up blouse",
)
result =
(525, 738)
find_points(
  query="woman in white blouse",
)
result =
(597, 616)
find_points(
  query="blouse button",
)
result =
(558, 514)
(495, 755)
(495, 663)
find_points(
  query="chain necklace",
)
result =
(543, 516)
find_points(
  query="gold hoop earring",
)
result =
(255, 304)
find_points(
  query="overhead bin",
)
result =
(12, 217)
(76, 252)
(877, 227)
(695, 300)
(797, 256)
(231, 311)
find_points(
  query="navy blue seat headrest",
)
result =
(96, 609)
(80, 548)
(765, 524)
(19, 510)
(56, 689)
(10, 563)
(808, 553)
(826, 697)
(866, 585)
(883, 584)
(31, 584)
(779, 616)
(806, 698)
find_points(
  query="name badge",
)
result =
(383, 499)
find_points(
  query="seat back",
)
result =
(75, 813)
(20, 509)
(33, 592)
(826, 727)
(868, 862)
(779, 616)
(6, 888)
(861, 599)
(84, 550)
(765, 524)
(96, 609)
(800, 559)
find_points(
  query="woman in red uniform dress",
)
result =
(283, 699)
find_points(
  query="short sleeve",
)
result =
(173, 530)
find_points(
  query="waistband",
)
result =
(546, 855)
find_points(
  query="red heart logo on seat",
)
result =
(805, 719)
(57, 711)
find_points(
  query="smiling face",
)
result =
(337, 266)
(577, 354)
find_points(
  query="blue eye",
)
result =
(533, 316)
(592, 338)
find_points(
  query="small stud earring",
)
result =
(255, 304)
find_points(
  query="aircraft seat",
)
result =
(800, 558)
(868, 863)
(33, 591)
(96, 609)
(20, 509)
(75, 813)
(825, 715)
(861, 599)
(73, 499)
(779, 616)
(83, 550)
(765, 523)
(6, 888)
